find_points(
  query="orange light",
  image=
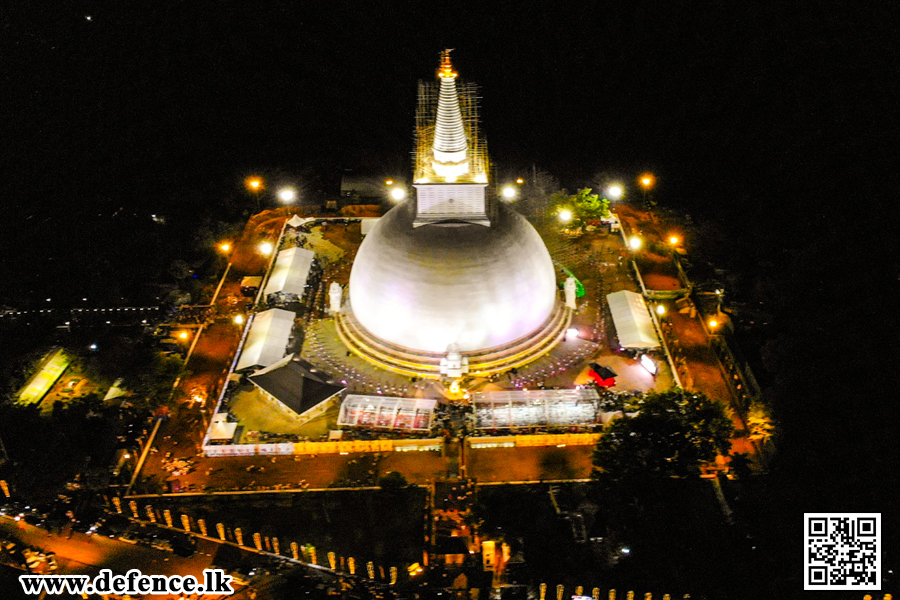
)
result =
(713, 323)
(446, 69)
(388, 182)
(183, 335)
(224, 246)
(254, 183)
(647, 180)
(520, 181)
(673, 240)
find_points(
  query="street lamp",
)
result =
(661, 309)
(287, 195)
(255, 185)
(183, 335)
(265, 248)
(225, 247)
(673, 240)
(635, 243)
(238, 319)
(565, 215)
(713, 323)
(398, 194)
(647, 181)
(520, 181)
(508, 192)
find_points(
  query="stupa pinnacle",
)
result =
(450, 145)
(453, 178)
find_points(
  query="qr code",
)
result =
(843, 551)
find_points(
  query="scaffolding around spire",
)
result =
(444, 145)
(451, 162)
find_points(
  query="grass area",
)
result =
(256, 412)
(382, 526)
(51, 369)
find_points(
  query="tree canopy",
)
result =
(673, 434)
(583, 205)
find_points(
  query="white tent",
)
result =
(366, 224)
(220, 429)
(528, 408)
(631, 317)
(290, 271)
(267, 339)
(297, 221)
(385, 412)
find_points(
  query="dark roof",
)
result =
(295, 383)
(450, 545)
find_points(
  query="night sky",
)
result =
(771, 122)
(738, 109)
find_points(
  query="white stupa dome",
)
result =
(425, 288)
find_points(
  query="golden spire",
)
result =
(446, 69)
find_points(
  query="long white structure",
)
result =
(385, 412)
(630, 314)
(267, 339)
(536, 408)
(290, 272)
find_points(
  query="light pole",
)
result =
(615, 191)
(646, 181)
(398, 194)
(255, 186)
(287, 195)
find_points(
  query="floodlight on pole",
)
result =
(565, 215)
(635, 243)
(508, 192)
(398, 194)
(615, 191)
(647, 180)
(287, 194)
(265, 248)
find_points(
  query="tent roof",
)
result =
(367, 223)
(297, 221)
(634, 327)
(267, 339)
(528, 408)
(295, 383)
(290, 271)
(222, 430)
(387, 412)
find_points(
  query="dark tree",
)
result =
(673, 435)
(393, 481)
